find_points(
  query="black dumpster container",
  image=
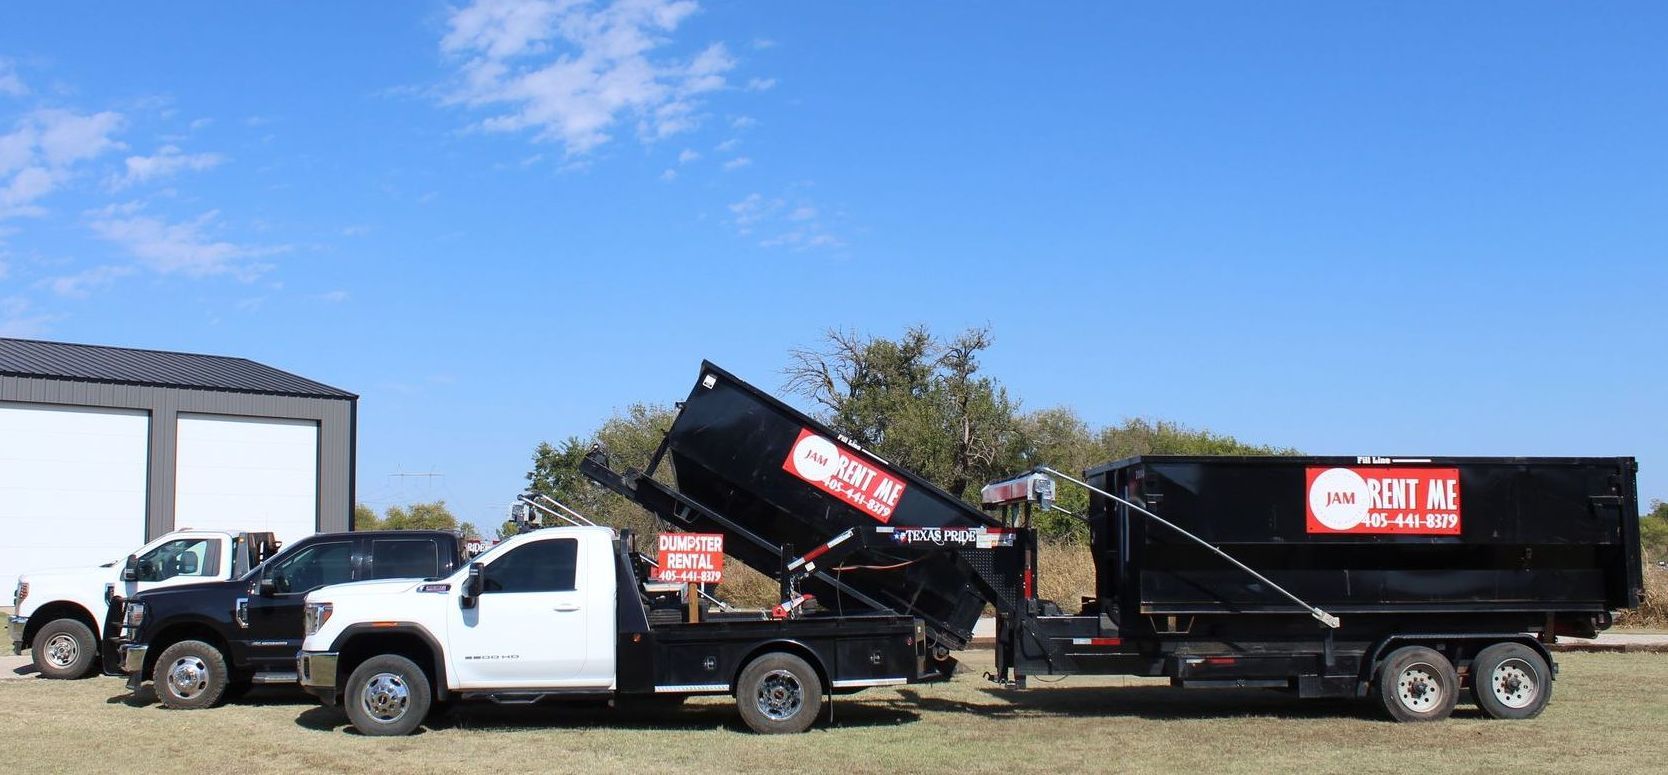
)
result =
(792, 481)
(1370, 535)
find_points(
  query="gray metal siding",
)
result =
(335, 416)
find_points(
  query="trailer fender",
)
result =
(1458, 647)
(788, 646)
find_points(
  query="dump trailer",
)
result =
(1407, 580)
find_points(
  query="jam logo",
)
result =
(1383, 501)
(844, 474)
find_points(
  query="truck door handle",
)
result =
(566, 607)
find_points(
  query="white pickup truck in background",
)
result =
(58, 613)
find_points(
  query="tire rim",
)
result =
(780, 695)
(1515, 684)
(188, 677)
(62, 651)
(1418, 688)
(385, 697)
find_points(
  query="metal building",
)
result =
(104, 448)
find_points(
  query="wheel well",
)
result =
(787, 647)
(1459, 649)
(53, 611)
(183, 632)
(410, 645)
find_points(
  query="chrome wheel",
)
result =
(385, 697)
(1515, 683)
(1418, 688)
(780, 695)
(62, 651)
(188, 677)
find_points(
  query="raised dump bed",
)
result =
(779, 485)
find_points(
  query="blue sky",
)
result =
(1365, 228)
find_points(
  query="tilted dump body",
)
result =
(1369, 535)
(743, 459)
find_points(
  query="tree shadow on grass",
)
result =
(488, 717)
(1145, 702)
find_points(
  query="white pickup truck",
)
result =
(562, 613)
(58, 613)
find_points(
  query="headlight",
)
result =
(22, 592)
(133, 615)
(315, 616)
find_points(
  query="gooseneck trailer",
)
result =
(1405, 580)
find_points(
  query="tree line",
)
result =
(917, 399)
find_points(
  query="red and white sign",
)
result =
(690, 558)
(1384, 501)
(845, 474)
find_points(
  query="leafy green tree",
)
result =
(918, 401)
(630, 439)
(365, 518)
(419, 516)
(1653, 532)
(468, 530)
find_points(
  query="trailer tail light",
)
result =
(1097, 641)
(1029, 581)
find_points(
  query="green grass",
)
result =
(1608, 713)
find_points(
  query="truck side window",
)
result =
(314, 566)
(404, 558)
(180, 557)
(546, 566)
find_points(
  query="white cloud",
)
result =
(334, 297)
(737, 163)
(688, 155)
(571, 72)
(185, 248)
(727, 145)
(19, 318)
(79, 284)
(763, 43)
(669, 175)
(10, 84)
(744, 122)
(43, 151)
(167, 162)
(761, 84)
(780, 223)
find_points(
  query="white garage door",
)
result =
(72, 487)
(238, 473)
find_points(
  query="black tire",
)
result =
(779, 694)
(64, 649)
(1511, 681)
(387, 695)
(1417, 684)
(190, 675)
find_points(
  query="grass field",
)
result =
(1608, 714)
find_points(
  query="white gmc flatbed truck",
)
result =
(57, 614)
(561, 613)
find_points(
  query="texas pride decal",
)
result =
(844, 474)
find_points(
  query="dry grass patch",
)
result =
(1607, 714)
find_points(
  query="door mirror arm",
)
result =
(471, 586)
(130, 568)
(267, 587)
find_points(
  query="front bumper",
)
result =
(132, 657)
(16, 625)
(317, 672)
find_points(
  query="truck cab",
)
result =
(200, 641)
(561, 612)
(57, 613)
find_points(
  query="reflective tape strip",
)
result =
(857, 682)
(1097, 641)
(685, 688)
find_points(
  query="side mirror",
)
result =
(471, 586)
(267, 587)
(130, 569)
